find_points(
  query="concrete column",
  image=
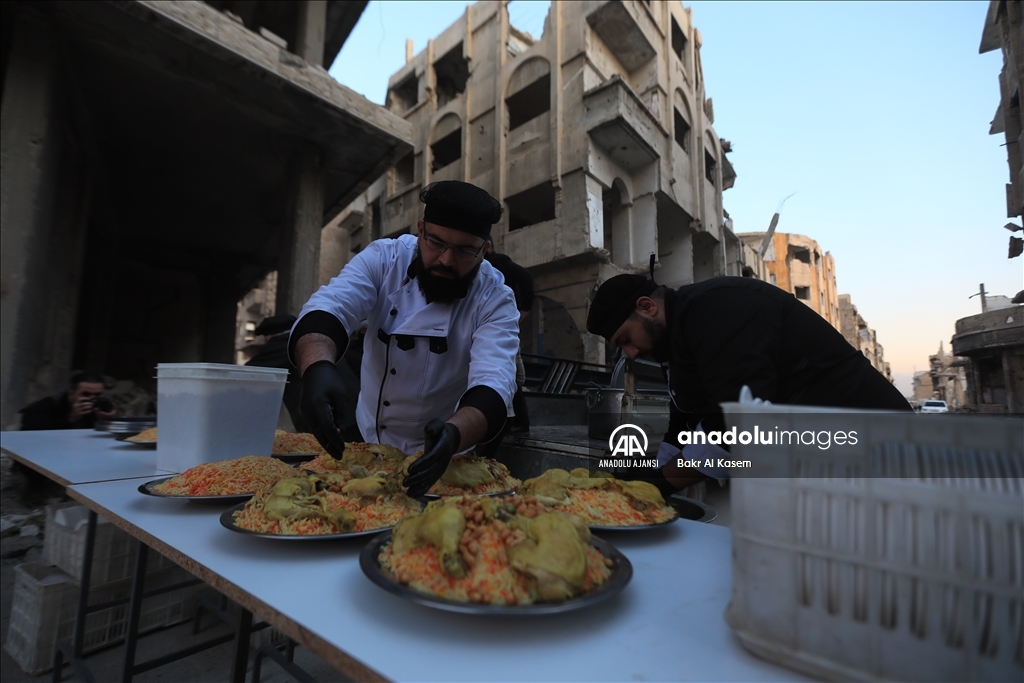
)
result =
(643, 231)
(309, 39)
(29, 144)
(299, 269)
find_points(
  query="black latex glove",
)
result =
(441, 442)
(324, 402)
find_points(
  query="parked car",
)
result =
(933, 406)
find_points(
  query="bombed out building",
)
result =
(598, 138)
(159, 159)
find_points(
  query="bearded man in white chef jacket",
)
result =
(438, 369)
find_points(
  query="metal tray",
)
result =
(638, 527)
(294, 458)
(147, 489)
(622, 572)
(126, 426)
(227, 521)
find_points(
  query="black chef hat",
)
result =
(460, 206)
(275, 324)
(615, 301)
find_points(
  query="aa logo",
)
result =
(626, 441)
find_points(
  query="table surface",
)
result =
(666, 625)
(79, 456)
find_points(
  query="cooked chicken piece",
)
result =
(387, 452)
(358, 471)
(343, 520)
(292, 497)
(642, 494)
(404, 468)
(555, 484)
(353, 457)
(553, 554)
(367, 487)
(440, 525)
(467, 473)
(330, 479)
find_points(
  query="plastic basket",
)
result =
(45, 605)
(114, 551)
(42, 596)
(918, 576)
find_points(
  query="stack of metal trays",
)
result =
(123, 427)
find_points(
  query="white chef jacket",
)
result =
(454, 347)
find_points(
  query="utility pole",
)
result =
(981, 292)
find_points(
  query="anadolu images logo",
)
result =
(625, 441)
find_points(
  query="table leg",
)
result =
(134, 611)
(241, 646)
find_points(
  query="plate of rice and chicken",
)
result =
(602, 501)
(308, 506)
(226, 481)
(501, 556)
(466, 474)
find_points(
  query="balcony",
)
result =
(619, 123)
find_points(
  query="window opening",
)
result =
(682, 132)
(250, 330)
(451, 73)
(404, 96)
(405, 173)
(800, 254)
(678, 41)
(529, 103)
(447, 150)
(709, 167)
(531, 206)
(802, 293)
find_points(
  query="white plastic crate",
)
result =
(45, 605)
(918, 576)
(114, 551)
(42, 596)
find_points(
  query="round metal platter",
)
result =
(126, 426)
(147, 489)
(227, 520)
(622, 572)
(496, 494)
(638, 527)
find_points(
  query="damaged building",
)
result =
(598, 138)
(1004, 30)
(798, 265)
(159, 159)
(861, 336)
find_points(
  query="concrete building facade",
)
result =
(597, 137)
(798, 265)
(993, 342)
(158, 160)
(861, 337)
(1004, 30)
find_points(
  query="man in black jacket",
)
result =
(721, 334)
(76, 408)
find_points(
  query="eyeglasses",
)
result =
(463, 253)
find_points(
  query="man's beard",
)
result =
(437, 288)
(661, 350)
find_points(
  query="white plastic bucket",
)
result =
(209, 411)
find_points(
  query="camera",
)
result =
(103, 405)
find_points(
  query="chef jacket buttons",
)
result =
(387, 403)
(394, 311)
(393, 371)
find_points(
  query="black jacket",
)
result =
(731, 331)
(52, 413)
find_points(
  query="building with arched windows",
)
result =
(597, 137)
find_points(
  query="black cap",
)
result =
(615, 301)
(275, 324)
(460, 206)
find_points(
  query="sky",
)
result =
(875, 115)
